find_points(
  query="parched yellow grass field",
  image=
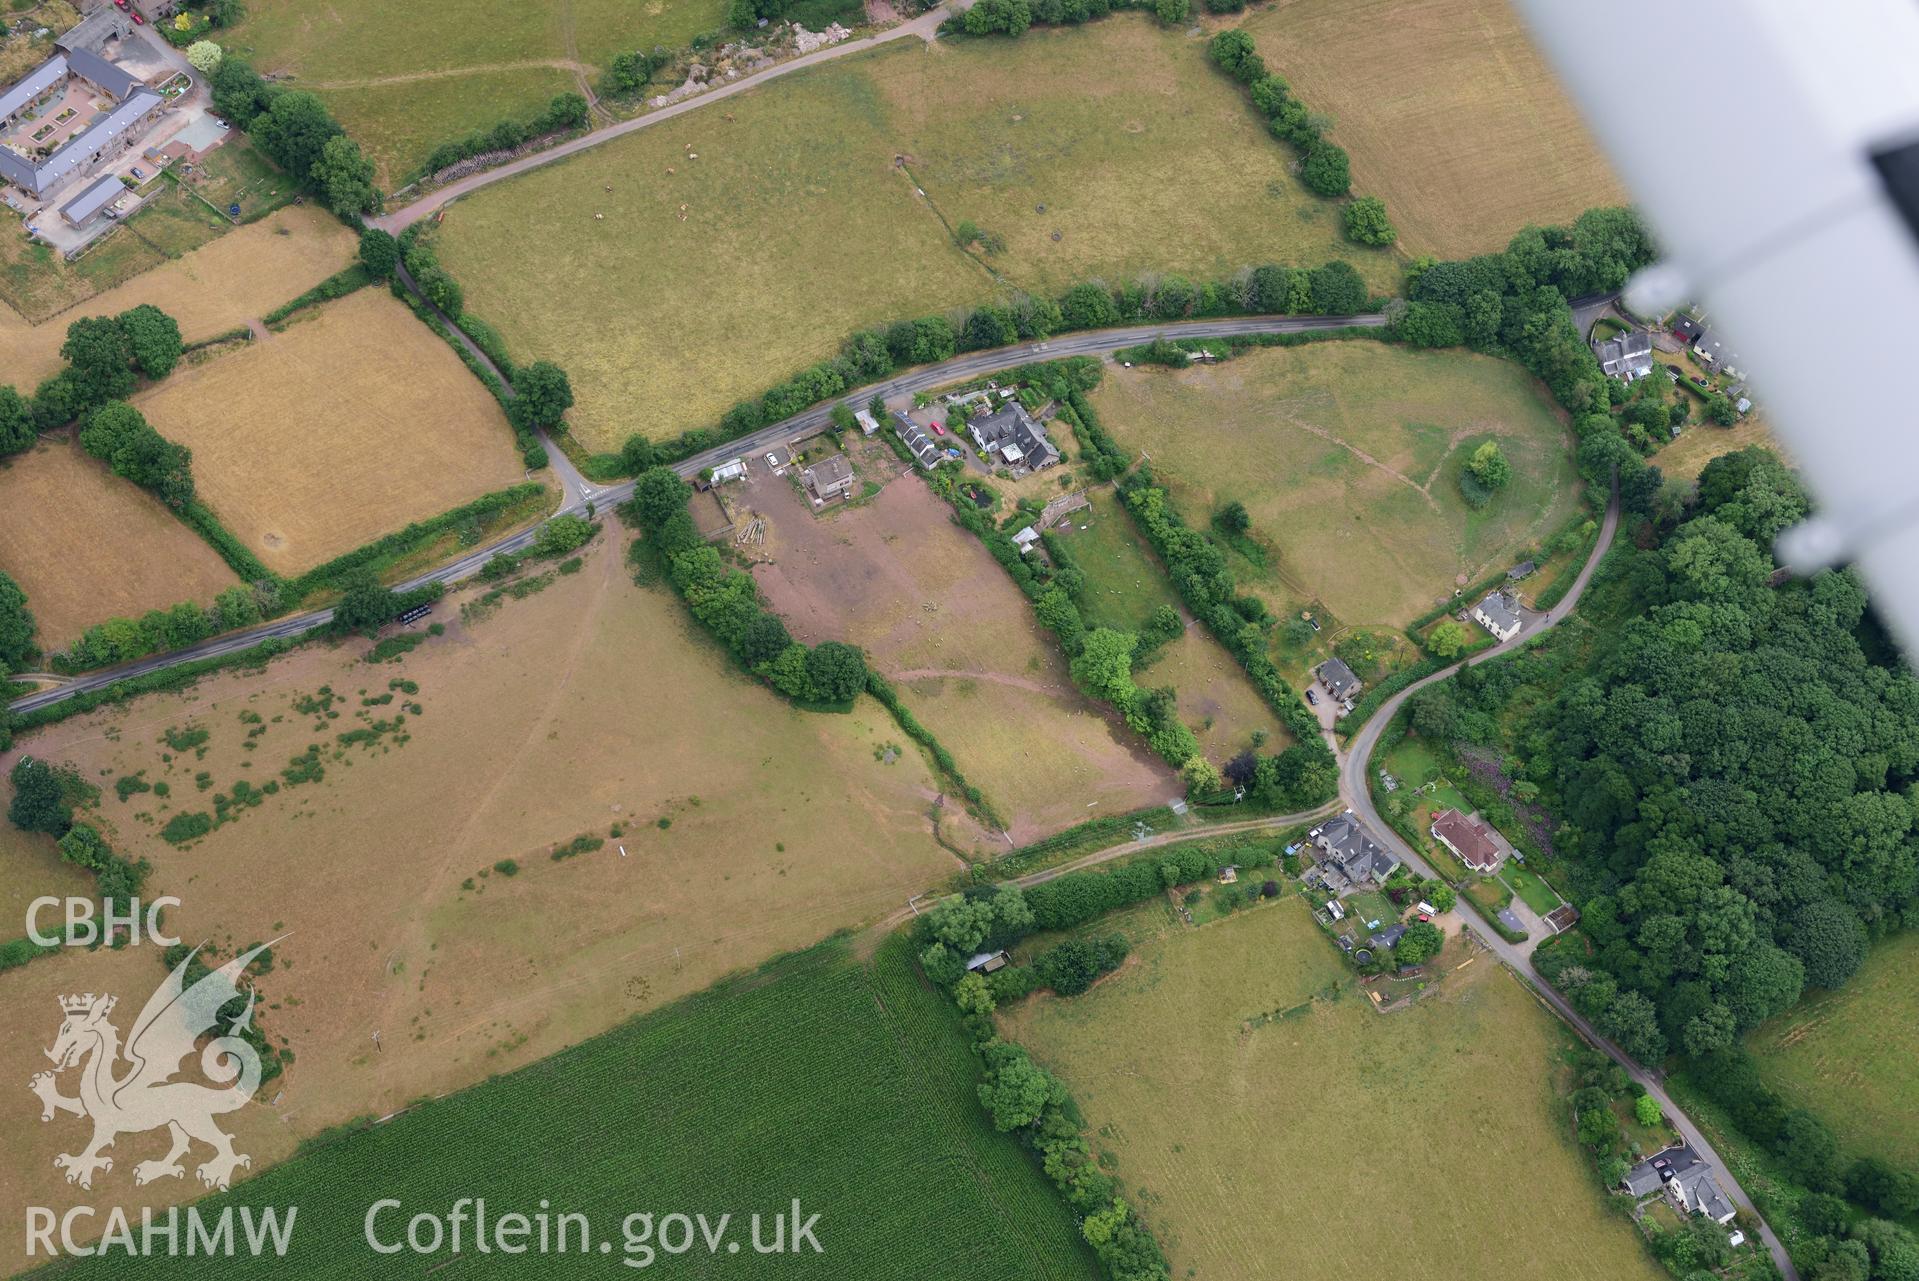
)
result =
(593, 705)
(355, 421)
(1347, 455)
(940, 618)
(1450, 114)
(87, 546)
(244, 274)
(1268, 1123)
(1850, 1055)
(451, 68)
(710, 278)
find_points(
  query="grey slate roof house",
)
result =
(916, 439)
(40, 177)
(829, 478)
(1351, 850)
(1498, 615)
(1686, 1180)
(1010, 436)
(1337, 678)
(1626, 357)
(1388, 937)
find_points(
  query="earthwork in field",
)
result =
(739, 245)
(452, 68)
(1450, 114)
(844, 1082)
(243, 275)
(1224, 1061)
(1850, 1055)
(939, 617)
(87, 546)
(557, 718)
(1347, 455)
(353, 422)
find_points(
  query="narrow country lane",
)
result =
(925, 27)
(578, 495)
(1354, 770)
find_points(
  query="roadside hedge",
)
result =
(238, 556)
(870, 355)
(405, 539)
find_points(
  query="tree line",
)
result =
(1334, 289)
(298, 133)
(725, 600)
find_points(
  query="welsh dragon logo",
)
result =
(142, 1095)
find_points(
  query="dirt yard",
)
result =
(87, 546)
(245, 273)
(355, 421)
(945, 624)
(749, 829)
(1451, 115)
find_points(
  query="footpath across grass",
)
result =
(842, 1083)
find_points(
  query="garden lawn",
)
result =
(1449, 113)
(1264, 1139)
(87, 546)
(451, 68)
(1348, 456)
(1539, 896)
(842, 1083)
(709, 279)
(1852, 1056)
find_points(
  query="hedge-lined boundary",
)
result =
(202, 520)
(348, 279)
(869, 355)
(532, 452)
(1083, 837)
(883, 692)
(407, 539)
(172, 678)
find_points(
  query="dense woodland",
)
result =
(1730, 756)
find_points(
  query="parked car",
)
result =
(121, 3)
(136, 172)
(138, 21)
(1312, 698)
(938, 430)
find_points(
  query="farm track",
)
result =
(925, 27)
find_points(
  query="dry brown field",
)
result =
(1450, 114)
(353, 422)
(750, 828)
(945, 624)
(1270, 1123)
(87, 546)
(243, 275)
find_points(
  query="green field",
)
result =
(842, 1083)
(1270, 1124)
(1348, 457)
(709, 279)
(450, 68)
(1852, 1056)
(1538, 895)
(1123, 582)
